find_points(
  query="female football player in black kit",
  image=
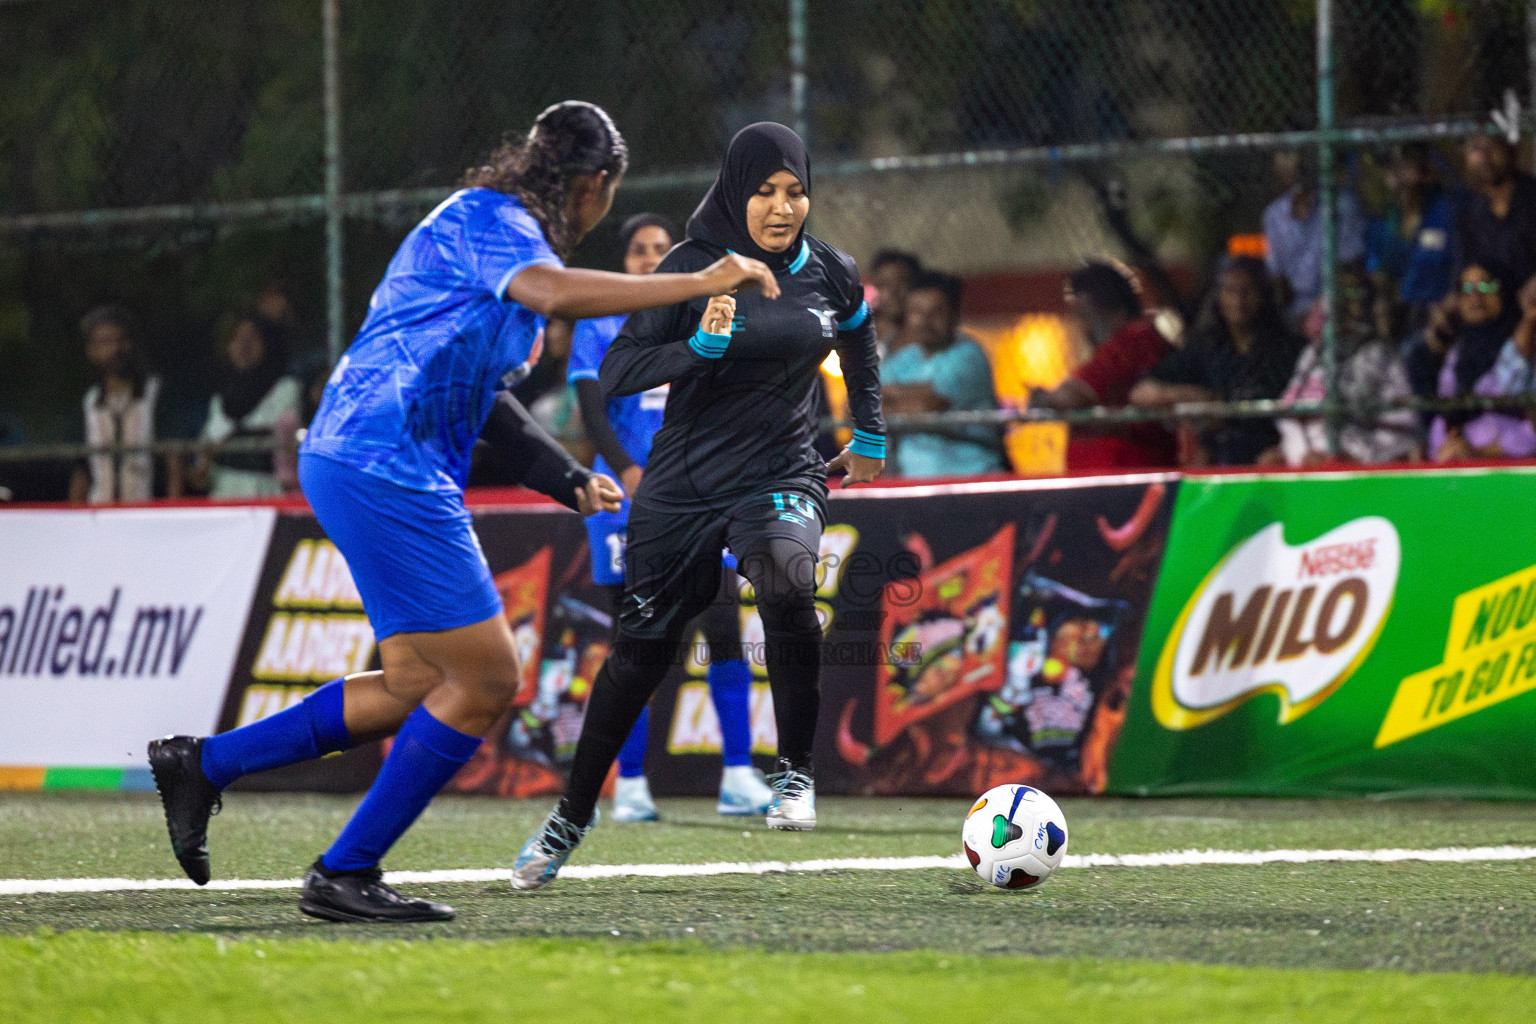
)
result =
(734, 464)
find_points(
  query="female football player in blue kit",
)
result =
(622, 428)
(734, 464)
(456, 317)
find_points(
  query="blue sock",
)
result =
(730, 684)
(425, 756)
(632, 753)
(312, 727)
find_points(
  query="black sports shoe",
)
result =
(362, 896)
(189, 800)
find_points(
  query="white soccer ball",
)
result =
(1014, 836)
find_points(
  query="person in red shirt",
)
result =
(1125, 348)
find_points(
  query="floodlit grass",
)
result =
(131, 978)
(1436, 941)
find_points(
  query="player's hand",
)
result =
(600, 495)
(630, 478)
(859, 469)
(733, 272)
(719, 314)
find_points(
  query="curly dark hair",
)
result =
(567, 139)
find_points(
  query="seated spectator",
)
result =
(1497, 222)
(939, 370)
(120, 408)
(1125, 349)
(252, 389)
(1490, 357)
(892, 273)
(1293, 234)
(1411, 250)
(1370, 374)
(1239, 349)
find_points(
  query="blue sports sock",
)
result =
(425, 756)
(632, 753)
(730, 684)
(314, 726)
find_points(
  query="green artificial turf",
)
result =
(158, 978)
(1428, 941)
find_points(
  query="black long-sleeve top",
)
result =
(741, 415)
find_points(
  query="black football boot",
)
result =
(189, 800)
(362, 896)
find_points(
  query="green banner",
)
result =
(1340, 634)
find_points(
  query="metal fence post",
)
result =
(330, 15)
(1530, 55)
(1327, 203)
(797, 98)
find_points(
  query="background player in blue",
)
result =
(734, 463)
(456, 318)
(622, 428)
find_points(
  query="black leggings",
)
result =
(783, 573)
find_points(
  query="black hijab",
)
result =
(243, 390)
(1478, 346)
(758, 152)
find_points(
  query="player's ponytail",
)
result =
(567, 139)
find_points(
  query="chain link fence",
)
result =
(183, 158)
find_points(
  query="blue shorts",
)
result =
(413, 554)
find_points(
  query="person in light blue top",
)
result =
(622, 428)
(457, 318)
(940, 370)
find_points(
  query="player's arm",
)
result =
(864, 458)
(594, 416)
(539, 463)
(576, 294)
(659, 346)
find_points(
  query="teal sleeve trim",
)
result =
(710, 346)
(801, 258)
(857, 319)
(871, 446)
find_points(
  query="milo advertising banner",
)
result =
(1335, 633)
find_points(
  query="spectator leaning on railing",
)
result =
(1370, 374)
(1490, 357)
(1126, 346)
(120, 408)
(940, 370)
(1239, 349)
(252, 389)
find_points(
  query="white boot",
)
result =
(743, 792)
(632, 800)
(794, 807)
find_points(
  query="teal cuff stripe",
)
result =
(859, 316)
(868, 449)
(868, 435)
(710, 346)
(802, 258)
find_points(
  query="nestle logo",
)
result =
(1332, 559)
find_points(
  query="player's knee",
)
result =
(498, 686)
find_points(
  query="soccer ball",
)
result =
(1014, 836)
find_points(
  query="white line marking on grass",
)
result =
(576, 872)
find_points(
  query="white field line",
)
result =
(1171, 858)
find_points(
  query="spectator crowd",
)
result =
(1437, 298)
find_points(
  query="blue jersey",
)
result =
(635, 418)
(407, 401)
